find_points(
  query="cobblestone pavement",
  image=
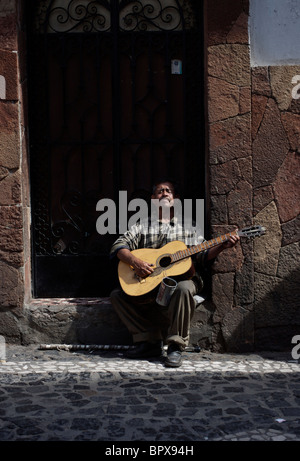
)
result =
(102, 396)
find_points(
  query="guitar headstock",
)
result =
(252, 232)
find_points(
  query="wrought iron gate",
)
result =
(115, 100)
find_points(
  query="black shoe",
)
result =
(145, 350)
(174, 357)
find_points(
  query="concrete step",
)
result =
(73, 321)
(84, 321)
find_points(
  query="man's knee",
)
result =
(114, 292)
(115, 296)
(185, 288)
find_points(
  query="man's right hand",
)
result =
(142, 268)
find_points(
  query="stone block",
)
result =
(291, 123)
(288, 263)
(223, 20)
(245, 166)
(260, 81)
(230, 139)
(11, 232)
(275, 338)
(291, 231)
(231, 259)
(201, 328)
(245, 100)
(9, 70)
(259, 104)
(295, 105)
(11, 239)
(9, 150)
(3, 172)
(72, 321)
(222, 294)
(9, 325)
(277, 301)
(224, 177)
(239, 202)
(10, 136)
(10, 189)
(8, 32)
(218, 210)
(14, 258)
(286, 188)
(7, 7)
(267, 247)
(247, 248)
(261, 198)
(231, 63)
(238, 330)
(281, 84)
(223, 100)
(11, 217)
(244, 287)
(269, 148)
(11, 286)
(239, 31)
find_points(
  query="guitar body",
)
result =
(172, 260)
(163, 267)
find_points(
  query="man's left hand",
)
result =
(231, 242)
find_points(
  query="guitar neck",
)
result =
(202, 246)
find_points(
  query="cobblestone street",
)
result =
(101, 396)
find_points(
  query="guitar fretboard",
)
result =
(182, 254)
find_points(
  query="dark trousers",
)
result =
(152, 322)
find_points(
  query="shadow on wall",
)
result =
(269, 324)
(276, 311)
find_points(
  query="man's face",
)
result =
(164, 192)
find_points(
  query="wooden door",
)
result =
(115, 101)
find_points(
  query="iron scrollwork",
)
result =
(151, 15)
(75, 16)
(88, 16)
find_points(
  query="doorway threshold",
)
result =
(73, 321)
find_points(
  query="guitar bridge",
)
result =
(140, 279)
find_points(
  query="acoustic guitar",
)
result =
(171, 260)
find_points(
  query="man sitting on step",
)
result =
(150, 323)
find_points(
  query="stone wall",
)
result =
(253, 154)
(230, 171)
(14, 197)
(253, 177)
(276, 180)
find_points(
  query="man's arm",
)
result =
(215, 251)
(142, 268)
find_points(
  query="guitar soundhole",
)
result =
(165, 261)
